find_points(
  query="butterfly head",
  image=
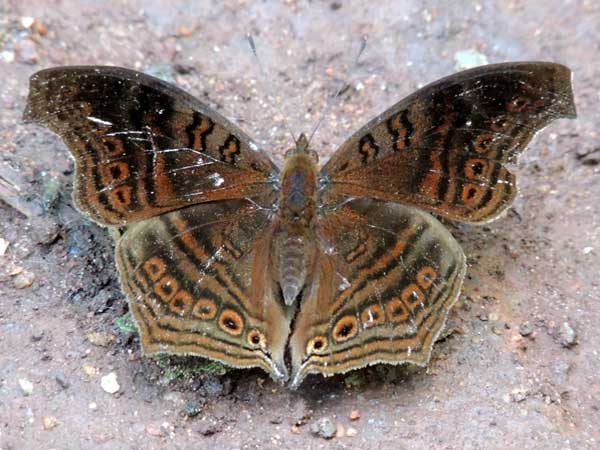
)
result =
(302, 148)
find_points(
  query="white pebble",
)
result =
(109, 383)
(26, 386)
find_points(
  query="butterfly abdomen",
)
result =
(293, 265)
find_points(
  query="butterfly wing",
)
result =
(385, 278)
(444, 148)
(141, 146)
(196, 283)
(195, 194)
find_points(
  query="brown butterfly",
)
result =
(226, 257)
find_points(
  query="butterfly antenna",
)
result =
(268, 86)
(342, 88)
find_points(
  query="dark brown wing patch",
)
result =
(143, 147)
(444, 147)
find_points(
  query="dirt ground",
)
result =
(519, 367)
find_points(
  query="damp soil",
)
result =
(518, 366)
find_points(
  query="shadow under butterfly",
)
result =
(298, 270)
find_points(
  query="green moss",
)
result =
(179, 368)
(125, 323)
(356, 379)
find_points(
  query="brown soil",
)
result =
(533, 273)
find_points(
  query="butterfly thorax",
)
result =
(294, 242)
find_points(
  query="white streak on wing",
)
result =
(345, 284)
(193, 166)
(125, 133)
(216, 255)
(108, 187)
(216, 178)
(100, 121)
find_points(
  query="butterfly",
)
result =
(300, 270)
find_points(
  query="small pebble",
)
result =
(61, 380)
(154, 430)
(3, 246)
(49, 422)
(213, 387)
(324, 428)
(93, 406)
(40, 28)
(192, 409)
(185, 31)
(483, 317)
(518, 395)
(37, 335)
(466, 59)
(89, 370)
(351, 432)
(109, 383)
(493, 317)
(24, 280)
(183, 69)
(26, 386)
(7, 56)
(100, 339)
(354, 414)
(26, 21)
(525, 329)
(567, 335)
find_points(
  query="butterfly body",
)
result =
(303, 270)
(295, 243)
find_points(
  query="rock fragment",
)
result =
(109, 383)
(24, 280)
(61, 380)
(100, 339)
(567, 335)
(525, 329)
(324, 427)
(26, 386)
(49, 422)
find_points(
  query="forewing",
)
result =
(196, 283)
(385, 278)
(444, 148)
(142, 146)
